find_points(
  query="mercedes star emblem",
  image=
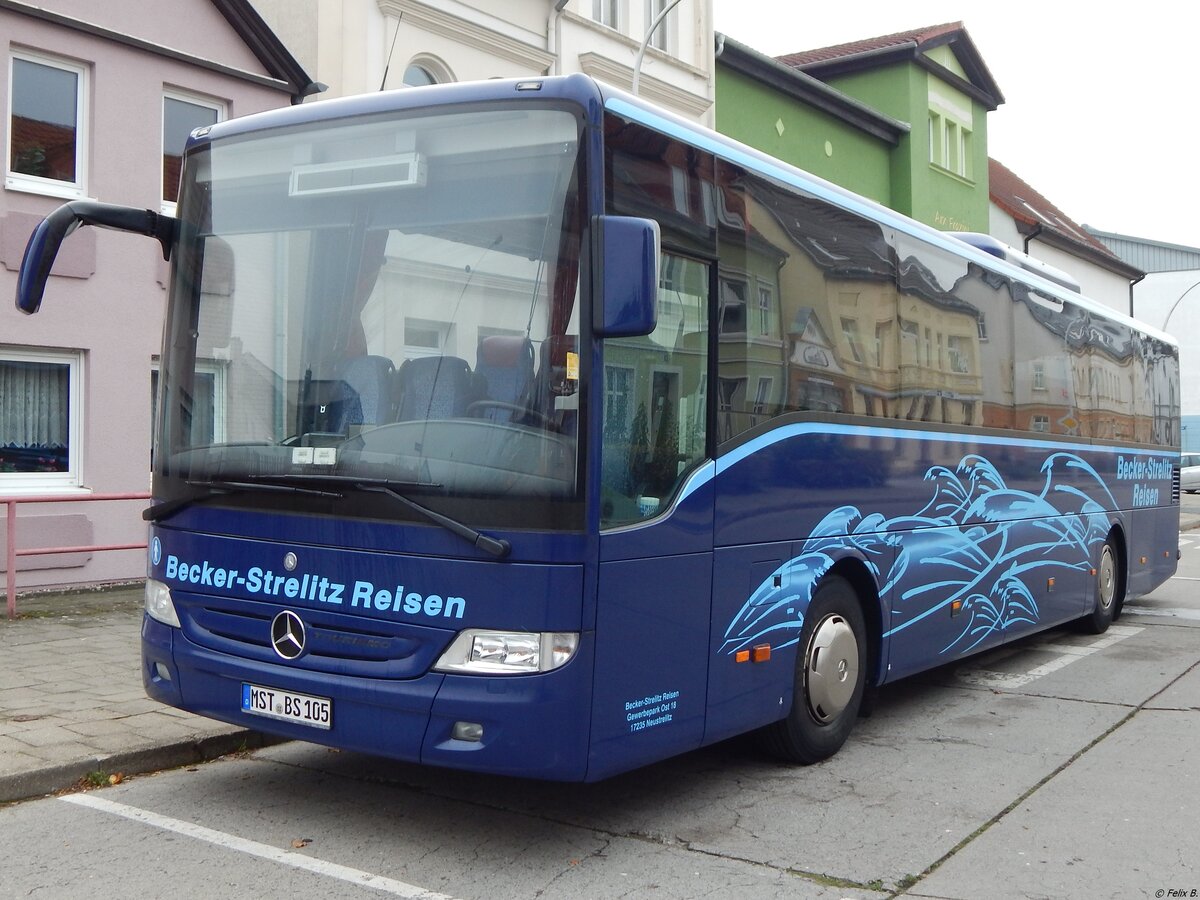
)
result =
(287, 634)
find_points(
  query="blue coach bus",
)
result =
(523, 427)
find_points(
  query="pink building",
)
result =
(100, 98)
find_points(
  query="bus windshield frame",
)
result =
(390, 301)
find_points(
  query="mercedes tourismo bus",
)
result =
(523, 427)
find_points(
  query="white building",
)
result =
(1023, 218)
(1168, 298)
(359, 46)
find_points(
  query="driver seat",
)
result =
(434, 387)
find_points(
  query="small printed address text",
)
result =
(657, 709)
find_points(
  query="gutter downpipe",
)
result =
(554, 35)
(1132, 284)
(1031, 237)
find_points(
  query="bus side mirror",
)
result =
(48, 236)
(628, 253)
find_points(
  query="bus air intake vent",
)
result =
(401, 170)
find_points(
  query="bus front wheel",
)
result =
(830, 677)
(1110, 590)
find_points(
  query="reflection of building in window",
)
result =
(731, 396)
(732, 307)
(959, 354)
(762, 396)
(850, 333)
(1039, 376)
(766, 308)
(883, 340)
(1039, 423)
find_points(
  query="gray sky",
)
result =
(1101, 112)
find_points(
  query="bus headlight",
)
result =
(159, 605)
(482, 652)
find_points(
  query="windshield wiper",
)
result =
(497, 547)
(224, 489)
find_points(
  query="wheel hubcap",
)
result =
(1107, 576)
(831, 668)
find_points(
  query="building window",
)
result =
(46, 126)
(418, 76)
(1040, 423)
(663, 36)
(39, 419)
(950, 141)
(181, 116)
(204, 413)
(425, 337)
(607, 12)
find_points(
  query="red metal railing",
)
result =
(11, 552)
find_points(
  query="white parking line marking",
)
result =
(1171, 612)
(1068, 653)
(253, 848)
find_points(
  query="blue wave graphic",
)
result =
(977, 542)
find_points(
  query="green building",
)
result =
(901, 119)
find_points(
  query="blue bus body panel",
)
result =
(375, 625)
(652, 629)
(971, 541)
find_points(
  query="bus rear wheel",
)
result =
(830, 678)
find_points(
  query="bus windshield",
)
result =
(387, 301)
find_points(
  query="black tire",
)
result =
(1109, 590)
(830, 676)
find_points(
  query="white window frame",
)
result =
(221, 109)
(766, 308)
(440, 330)
(617, 8)
(762, 395)
(1039, 376)
(35, 184)
(664, 36)
(53, 482)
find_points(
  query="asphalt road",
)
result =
(1060, 767)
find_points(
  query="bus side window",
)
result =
(655, 397)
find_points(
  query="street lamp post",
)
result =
(1175, 305)
(637, 66)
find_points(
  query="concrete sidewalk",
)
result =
(71, 699)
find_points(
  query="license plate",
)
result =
(273, 703)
